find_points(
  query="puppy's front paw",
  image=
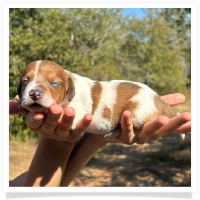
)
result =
(113, 134)
(109, 136)
(17, 99)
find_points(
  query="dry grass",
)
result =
(20, 156)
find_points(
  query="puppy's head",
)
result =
(42, 84)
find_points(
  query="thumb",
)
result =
(15, 108)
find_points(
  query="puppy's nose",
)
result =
(36, 94)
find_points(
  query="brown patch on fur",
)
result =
(30, 67)
(107, 113)
(49, 72)
(162, 109)
(96, 95)
(125, 91)
(27, 74)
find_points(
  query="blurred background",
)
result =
(152, 46)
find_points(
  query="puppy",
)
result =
(44, 83)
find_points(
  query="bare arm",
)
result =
(51, 157)
(48, 164)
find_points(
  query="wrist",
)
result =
(57, 144)
(95, 140)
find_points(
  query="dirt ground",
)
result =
(165, 162)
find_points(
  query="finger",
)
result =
(82, 125)
(149, 129)
(34, 120)
(174, 124)
(185, 128)
(127, 128)
(174, 99)
(15, 108)
(66, 121)
(50, 122)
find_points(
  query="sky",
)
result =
(138, 12)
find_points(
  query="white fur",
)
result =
(83, 103)
(108, 99)
(37, 68)
(146, 105)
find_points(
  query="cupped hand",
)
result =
(154, 129)
(57, 122)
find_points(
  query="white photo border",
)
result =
(93, 4)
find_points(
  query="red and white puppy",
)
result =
(44, 83)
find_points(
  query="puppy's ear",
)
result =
(19, 91)
(71, 89)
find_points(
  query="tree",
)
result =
(81, 40)
(153, 54)
(179, 19)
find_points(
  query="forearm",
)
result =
(49, 163)
(80, 155)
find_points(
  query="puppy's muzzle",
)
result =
(36, 94)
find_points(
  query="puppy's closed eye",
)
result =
(25, 80)
(54, 83)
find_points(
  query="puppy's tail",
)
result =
(182, 135)
(168, 111)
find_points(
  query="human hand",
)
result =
(56, 123)
(15, 108)
(156, 128)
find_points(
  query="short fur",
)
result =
(105, 100)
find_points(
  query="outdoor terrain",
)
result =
(165, 162)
